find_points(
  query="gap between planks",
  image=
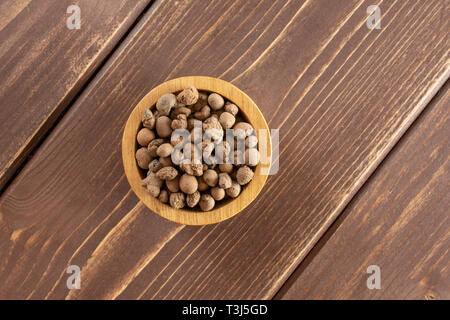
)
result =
(32, 145)
(340, 219)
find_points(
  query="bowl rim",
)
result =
(129, 146)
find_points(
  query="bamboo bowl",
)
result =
(221, 211)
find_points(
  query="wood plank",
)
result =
(43, 64)
(341, 94)
(399, 221)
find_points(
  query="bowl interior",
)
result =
(223, 210)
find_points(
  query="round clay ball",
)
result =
(251, 141)
(215, 101)
(244, 175)
(251, 157)
(202, 185)
(234, 191)
(211, 177)
(201, 102)
(153, 146)
(165, 162)
(143, 158)
(177, 200)
(153, 190)
(165, 103)
(164, 150)
(245, 126)
(153, 180)
(148, 120)
(231, 108)
(174, 184)
(226, 167)
(227, 120)
(154, 166)
(224, 180)
(242, 130)
(163, 126)
(193, 199)
(153, 184)
(203, 114)
(218, 193)
(167, 173)
(164, 196)
(144, 136)
(180, 122)
(188, 184)
(206, 202)
(188, 96)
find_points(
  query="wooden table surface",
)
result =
(363, 117)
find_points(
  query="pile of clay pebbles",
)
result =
(196, 150)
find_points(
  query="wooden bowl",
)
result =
(189, 216)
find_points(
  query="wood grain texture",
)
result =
(399, 221)
(43, 64)
(220, 212)
(341, 95)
